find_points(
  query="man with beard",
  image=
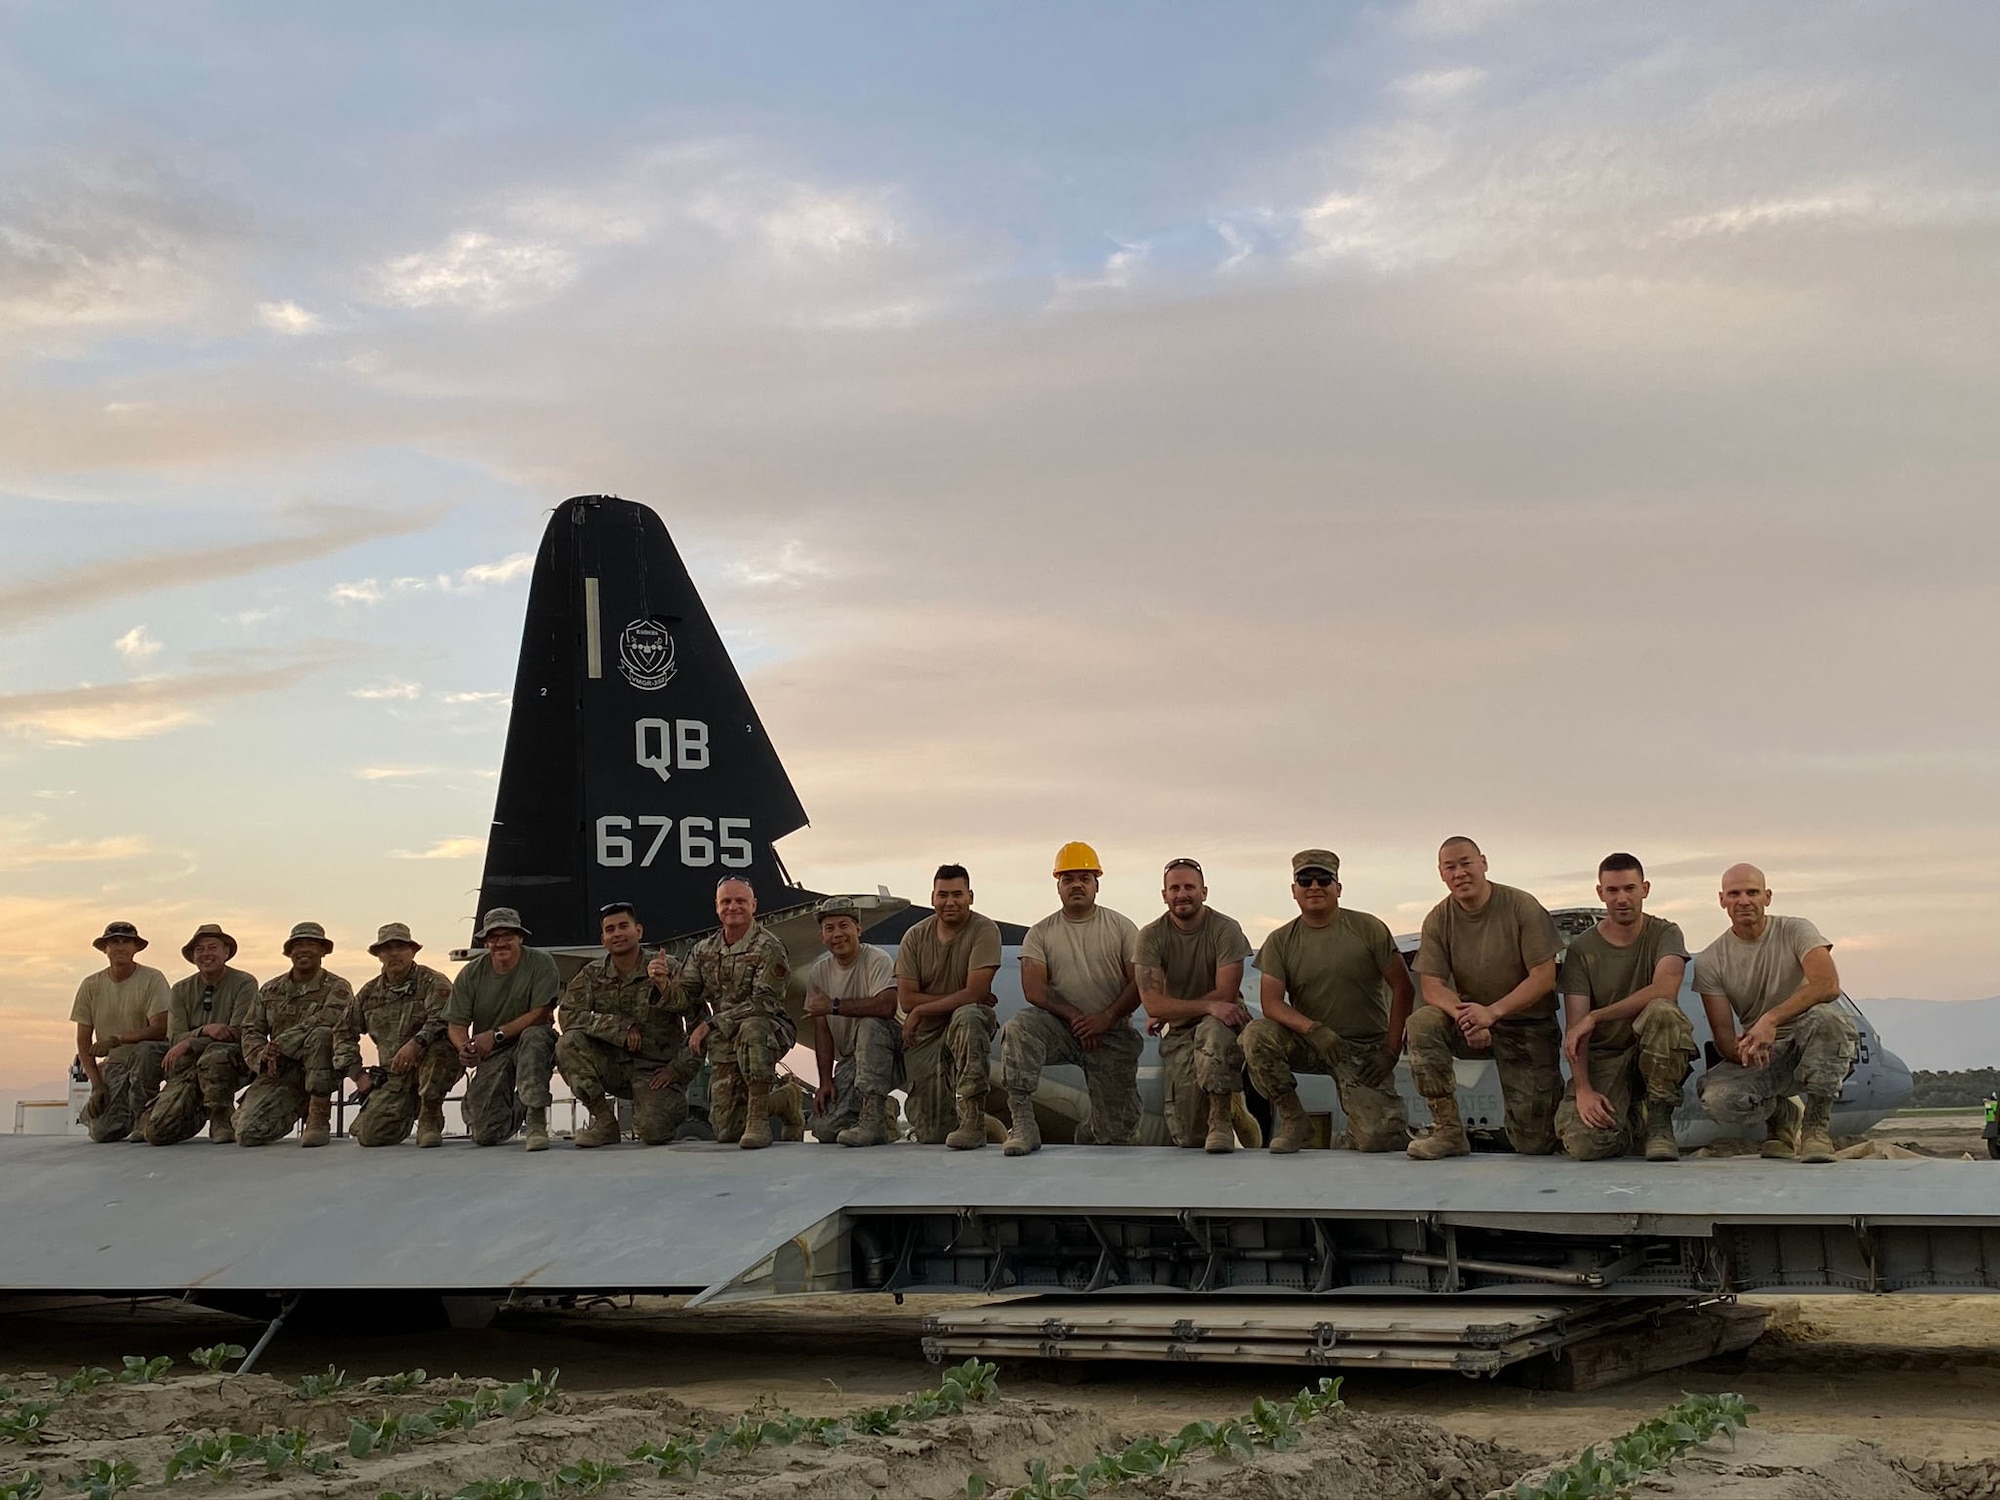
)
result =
(402, 1008)
(1189, 968)
(624, 1036)
(944, 992)
(204, 1064)
(288, 1044)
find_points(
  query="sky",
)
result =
(1194, 429)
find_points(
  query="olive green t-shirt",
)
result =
(196, 1004)
(1189, 959)
(938, 967)
(1603, 973)
(1333, 974)
(1086, 960)
(1484, 955)
(482, 999)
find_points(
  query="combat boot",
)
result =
(1221, 1126)
(1816, 1135)
(1781, 1134)
(971, 1132)
(1294, 1129)
(867, 1131)
(725, 1102)
(222, 1126)
(538, 1128)
(430, 1122)
(757, 1117)
(602, 1129)
(1660, 1142)
(1025, 1136)
(1447, 1137)
(319, 1121)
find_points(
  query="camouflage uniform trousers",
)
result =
(207, 1077)
(946, 1064)
(1653, 1070)
(274, 1104)
(1276, 1055)
(874, 1067)
(1528, 1055)
(1034, 1038)
(507, 1085)
(1199, 1058)
(130, 1082)
(596, 1070)
(1813, 1059)
(752, 1042)
(392, 1106)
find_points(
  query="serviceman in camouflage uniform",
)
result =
(1487, 966)
(288, 1045)
(204, 1064)
(1336, 997)
(857, 1041)
(1076, 974)
(121, 1016)
(1189, 967)
(625, 1036)
(402, 1008)
(944, 993)
(1629, 1043)
(501, 1018)
(1773, 977)
(739, 973)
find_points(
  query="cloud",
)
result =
(327, 529)
(30, 856)
(475, 270)
(461, 847)
(361, 591)
(401, 692)
(792, 567)
(137, 646)
(150, 706)
(395, 773)
(519, 565)
(474, 697)
(286, 318)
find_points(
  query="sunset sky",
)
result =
(1195, 429)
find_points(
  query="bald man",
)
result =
(1768, 984)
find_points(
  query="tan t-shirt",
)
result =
(1484, 955)
(1333, 974)
(938, 967)
(1760, 976)
(110, 1007)
(1086, 960)
(872, 972)
(1189, 959)
(196, 1005)
(1604, 974)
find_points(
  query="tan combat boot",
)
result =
(1447, 1137)
(1660, 1142)
(222, 1126)
(603, 1127)
(1221, 1126)
(971, 1132)
(319, 1121)
(725, 1102)
(1781, 1135)
(756, 1117)
(430, 1123)
(1294, 1129)
(867, 1131)
(537, 1134)
(1025, 1136)
(1816, 1135)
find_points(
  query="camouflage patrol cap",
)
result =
(207, 929)
(304, 930)
(500, 919)
(1316, 859)
(118, 930)
(839, 906)
(392, 932)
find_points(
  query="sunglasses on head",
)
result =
(1183, 864)
(1312, 877)
(610, 907)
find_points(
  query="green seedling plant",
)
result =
(101, 1479)
(400, 1384)
(388, 1433)
(503, 1489)
(141, 1371)
(89, 1378)
(533, 1393)
(217, 1454)
(27, 1487)
(215, 1356)
(671, 1457)
(1652, 1445)
(319, 1387)
(462, 1413)
(962, 1385)
(25, 1423)
(587, 1476)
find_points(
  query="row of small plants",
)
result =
(1650, 1446)
(1268, 1424)
(27, 1422)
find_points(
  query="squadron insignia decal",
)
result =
(646, 655)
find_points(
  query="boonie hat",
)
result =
(392, 932)
(207, 929)
(1316, 859)
(838, 906)
(500, 919)
(303, 930)
(118, 930)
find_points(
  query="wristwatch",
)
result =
(833, 1001)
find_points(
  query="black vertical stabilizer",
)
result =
(636, 768)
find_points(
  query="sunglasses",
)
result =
(1184, 864)
(609, 907)
(1312, 877)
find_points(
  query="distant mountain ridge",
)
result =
(1939, 1035)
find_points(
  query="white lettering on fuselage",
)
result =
(702, 841)
(663, 745)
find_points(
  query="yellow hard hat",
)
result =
(1076, 855)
